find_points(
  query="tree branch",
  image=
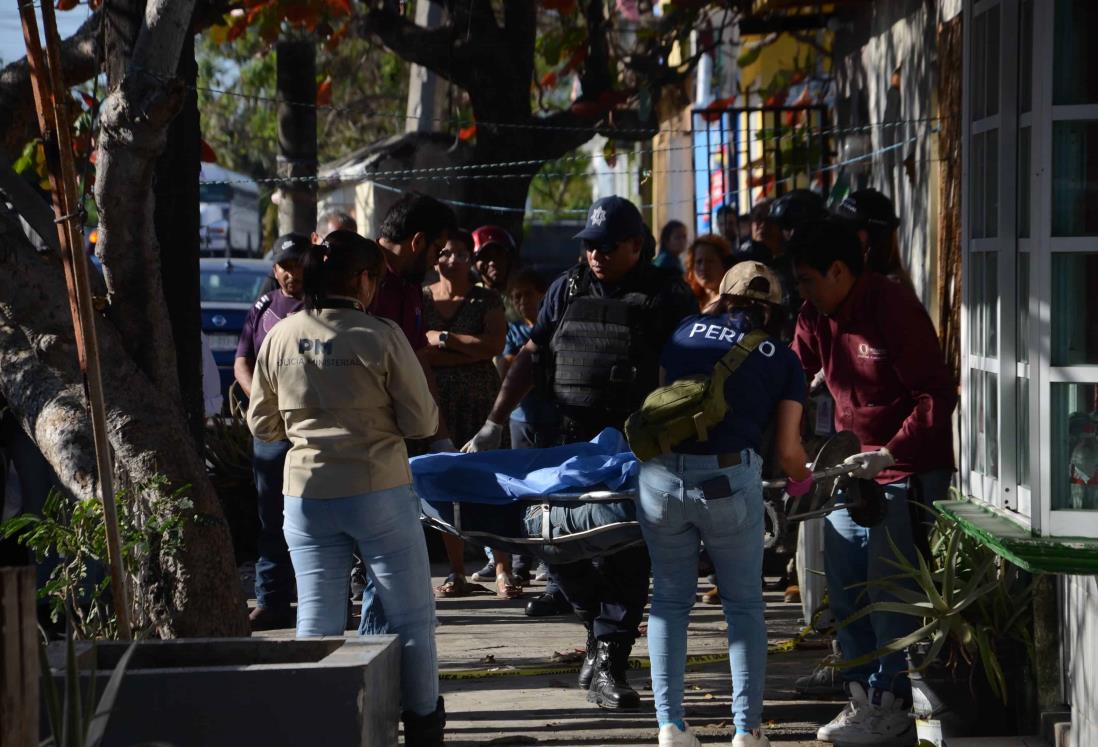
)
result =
(17, 119)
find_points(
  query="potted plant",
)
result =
(972, 652)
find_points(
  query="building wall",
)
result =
(1079, 641)
(894, 38)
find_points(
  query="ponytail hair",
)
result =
(333, 267)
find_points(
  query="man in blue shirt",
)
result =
(274, 573)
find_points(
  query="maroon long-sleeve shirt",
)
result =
(883, 364)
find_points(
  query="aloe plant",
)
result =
(73, 723)
(967, 600)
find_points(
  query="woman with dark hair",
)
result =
(711, 492)
(466, 329)
(673, 240)
(707, 259)
(346, 389)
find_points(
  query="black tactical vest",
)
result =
(605, 350)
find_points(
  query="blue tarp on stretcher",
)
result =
(507, 475)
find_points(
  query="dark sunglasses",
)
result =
(607, 249)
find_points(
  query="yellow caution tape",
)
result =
(696, 660)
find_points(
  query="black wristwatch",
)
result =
(442, 338)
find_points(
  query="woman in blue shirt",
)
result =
(711, 492)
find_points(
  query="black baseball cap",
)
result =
(290, 248)
(867, 209)
(797, 207)
(612, 219)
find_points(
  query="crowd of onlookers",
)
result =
(434, 337)
(430, 338)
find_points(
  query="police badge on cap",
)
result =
(611, 220)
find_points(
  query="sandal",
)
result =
(455, 585)
(506, 588)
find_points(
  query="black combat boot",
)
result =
(587, 671)
(425, 731)
(609, 688)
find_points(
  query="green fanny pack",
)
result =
(688, 408)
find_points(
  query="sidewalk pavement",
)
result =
(484, 633)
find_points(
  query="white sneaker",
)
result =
(672, 736)
(848, 717)
(875, 718)
(754, 739)
(542, 573)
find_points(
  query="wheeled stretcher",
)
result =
(574, 522)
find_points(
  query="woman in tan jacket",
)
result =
(346, 389)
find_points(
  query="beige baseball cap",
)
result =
(752, 280)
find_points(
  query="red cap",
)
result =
(486, 235)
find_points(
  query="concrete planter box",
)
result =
(218, 692)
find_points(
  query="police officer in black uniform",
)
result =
(596, 347)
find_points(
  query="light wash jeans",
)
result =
(385, 526)
(676, 519)
(855, 554)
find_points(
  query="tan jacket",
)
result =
(346, 389)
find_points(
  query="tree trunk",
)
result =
(197, 593)
(177, 226)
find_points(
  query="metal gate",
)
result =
(746, 154)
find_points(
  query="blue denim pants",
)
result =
(273, 571)
(854, 555)
(384, 525)
(676, 519)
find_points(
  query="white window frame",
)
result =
(1032, 506)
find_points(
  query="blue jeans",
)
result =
(676, 519)
(854, 555)
(384, 525)
(273, 571)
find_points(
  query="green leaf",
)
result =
(72, 732)
(912, 610)
(49, 690)
(98, 726)
(900, 644)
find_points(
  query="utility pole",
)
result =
(296, 84)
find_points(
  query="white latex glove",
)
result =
(488, 437)
(442, 446)
(872, 463)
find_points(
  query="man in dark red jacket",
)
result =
(882, 362)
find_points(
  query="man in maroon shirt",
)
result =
(416, 227)
(881, 359)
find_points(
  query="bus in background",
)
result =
(229, 218)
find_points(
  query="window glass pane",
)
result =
(1022, 342)
(1075, 62)
(1024, 170)
(983, 292)
(985, 185)
(976, 421)
(984, 423)
(1074, 309)
(1075, 178)
(1025, 57)
(1074, 446)
(985, 64)
(979, 66)
(1023, 432)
